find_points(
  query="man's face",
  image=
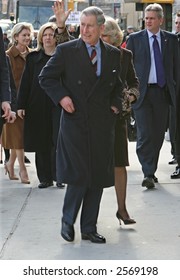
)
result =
(89, 29)
(177, 24)
(152, 21)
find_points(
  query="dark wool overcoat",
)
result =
(85, 152)
(37, 105)
(5, 94)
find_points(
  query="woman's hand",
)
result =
(21, 113)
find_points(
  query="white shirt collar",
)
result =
(150, 34)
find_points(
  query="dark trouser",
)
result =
(56, 114)
(44, 166)
(151, 120)
(90, 200)
(172, 128)
(178, 142)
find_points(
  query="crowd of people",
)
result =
(67, 100)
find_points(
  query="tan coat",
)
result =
(17, 63)
(12, 135)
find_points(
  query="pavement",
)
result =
(30, 219)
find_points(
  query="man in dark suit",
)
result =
(90, 95)
(158, 88)
(5, 93)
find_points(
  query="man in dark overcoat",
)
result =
(5, 92)
(90, 98)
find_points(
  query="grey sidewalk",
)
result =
(30, 219)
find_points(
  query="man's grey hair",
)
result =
(94, 11)
(155, 8)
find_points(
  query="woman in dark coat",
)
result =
(38, 109)
(112, 34)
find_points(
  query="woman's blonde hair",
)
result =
(18, 28)
(45, 26)
(112, 29)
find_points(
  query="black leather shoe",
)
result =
(26, 160)
(148, 182)
(155, 179)
(173, 161)
(176, 174)
(60, 186)
(67, 232)
(94, 237)
(44, 185)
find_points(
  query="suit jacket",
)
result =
(138, 43)
(86, 137)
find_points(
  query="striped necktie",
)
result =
(94, 58)
(158, 63)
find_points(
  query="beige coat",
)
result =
(12, 135)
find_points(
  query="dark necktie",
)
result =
(158, 63)
(94, 58)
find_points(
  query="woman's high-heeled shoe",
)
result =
(11, 175)
(127, 221)
(24, 179)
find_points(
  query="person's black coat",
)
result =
(85, 152)
(37, 105)
(5, 94)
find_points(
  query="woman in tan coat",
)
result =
(12, 136)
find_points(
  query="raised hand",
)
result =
(60, 14)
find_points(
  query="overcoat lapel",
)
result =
(102, 78)
(89, 78)
(164, 41)
(145, 44)
(84, 63)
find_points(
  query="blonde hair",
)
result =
(18, 28)
(112, 29)
(45, 26)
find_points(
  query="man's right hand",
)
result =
(67, 104)
(7, 109)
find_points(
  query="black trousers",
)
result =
(90, 200)
(43, 161)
